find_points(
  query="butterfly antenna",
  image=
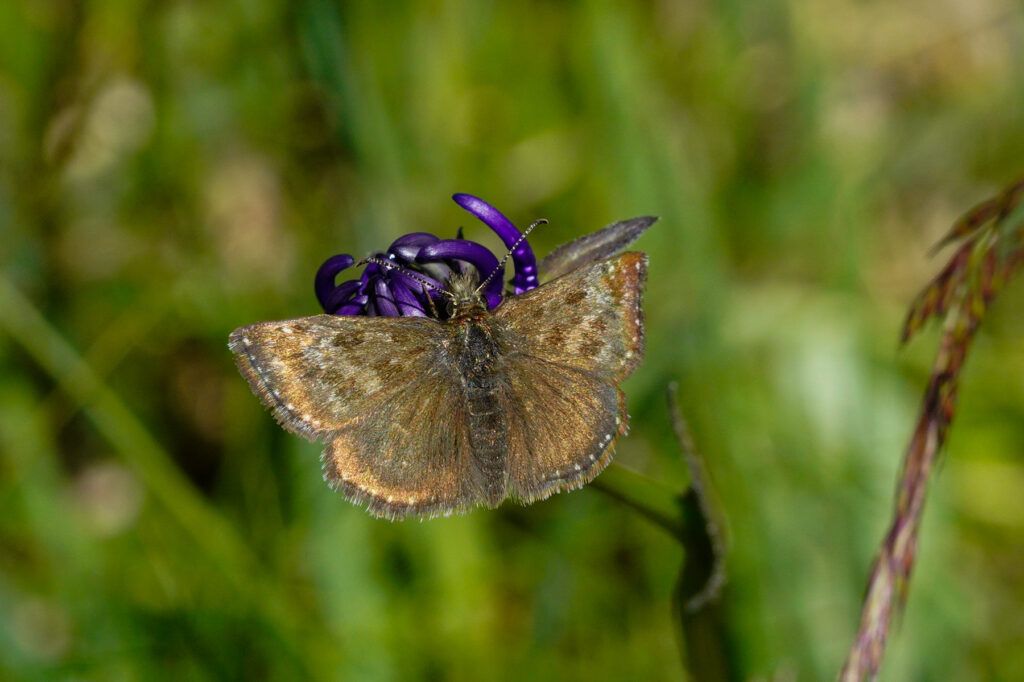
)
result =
(508, 254)
(411, 274)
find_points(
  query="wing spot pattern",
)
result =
(602, 448)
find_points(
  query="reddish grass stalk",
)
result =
(961, 293)
(887, 586)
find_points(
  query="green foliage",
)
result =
(169, 171)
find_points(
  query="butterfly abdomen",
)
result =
(478, 362)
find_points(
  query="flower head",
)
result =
(424, 264)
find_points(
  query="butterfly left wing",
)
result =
(576, 338)
(381, 392)
(315, 373)
(408, 454)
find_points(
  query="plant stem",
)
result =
(653, 500)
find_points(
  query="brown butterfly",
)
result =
(424, 417)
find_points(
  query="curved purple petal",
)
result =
(352, 309)
(475, 254)
(357, 306)
(525, 277)
(407, 246)
(341, 295)
(370, 272)
(384, 299)
(406, 300)
(323, 283)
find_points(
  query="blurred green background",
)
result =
(172, 170)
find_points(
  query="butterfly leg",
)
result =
(430, 303)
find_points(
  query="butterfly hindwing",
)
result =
(562, 426)
(408, 453)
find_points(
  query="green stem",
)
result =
(654, 501)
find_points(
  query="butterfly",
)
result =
(426, 417)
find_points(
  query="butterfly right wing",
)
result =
(575, 339)
(594, 246)
(563, 424)
(383, 395)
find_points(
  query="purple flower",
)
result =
(425, 262)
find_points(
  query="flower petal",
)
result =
(525, 277)
(406, 299)
(407, 246)
(323, 283)
(357, 306)
(383, 299)
(340, 296)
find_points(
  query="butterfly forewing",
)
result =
(316, 373)
(590, 319)
(596, 245)
(409, 452)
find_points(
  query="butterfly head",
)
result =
(464, 295)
